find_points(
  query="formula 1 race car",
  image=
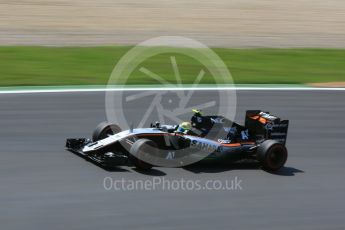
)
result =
(216, 138)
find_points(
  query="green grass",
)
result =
(46, 66)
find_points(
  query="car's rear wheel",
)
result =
(142, 152)
(272, 155)
(105, 129)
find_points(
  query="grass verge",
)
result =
(48, 66)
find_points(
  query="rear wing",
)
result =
(262, 125)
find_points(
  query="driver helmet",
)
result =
(184, 126)
(197, 112)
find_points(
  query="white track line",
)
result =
(32, 91)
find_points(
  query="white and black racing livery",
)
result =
(211, 138)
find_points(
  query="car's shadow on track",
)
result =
(151, 172)
(203, 168)
(286, 171)
(207, 168)
(112, 168)
(218, 168)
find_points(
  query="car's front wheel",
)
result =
(142, 152)
(103, 130)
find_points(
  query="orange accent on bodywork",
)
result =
(238, 144)
(263, 120)
(231, 145)
(260, 119)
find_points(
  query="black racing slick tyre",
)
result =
(103, 130)
(272, 155)
(142, 152)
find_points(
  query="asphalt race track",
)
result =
(42, 186)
